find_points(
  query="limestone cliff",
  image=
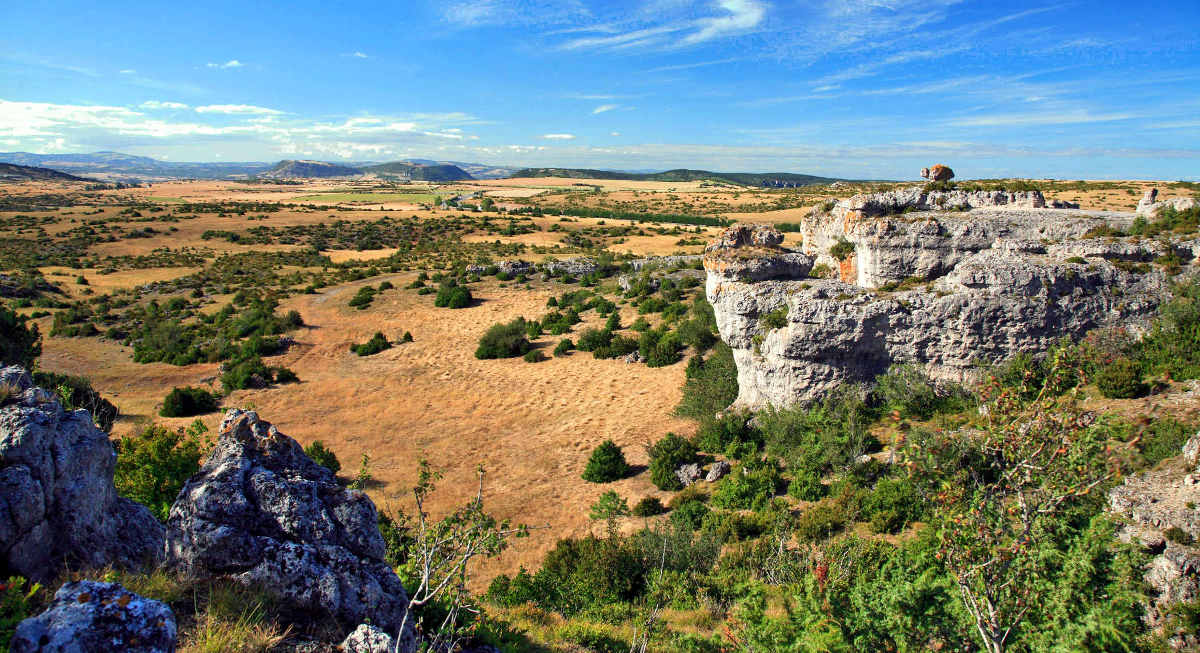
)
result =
(947, 280)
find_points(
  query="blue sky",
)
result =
(857, 88)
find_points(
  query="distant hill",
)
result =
(130, 167)
(13, 172)
(739, 178)
(290, 168)
(424, 171)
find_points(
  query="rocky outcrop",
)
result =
(368, 639)
(58, 506)
(938, 172)
(1149, 206)
(261, 512)
(653, 262)
(1159, 509)
(947, 290)
(576, 267)
(89, 617)
(511, 268)
(653, 278)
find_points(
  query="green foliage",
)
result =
(1162, 439)
(807, 486)
(563, 347)
(749, 486)
(819, 521)
(842, 249)
(534, 356)
(376, 344)
(660, 347)
(323, 456)
(776, 319)
(75, 392)
(666, 456)
(363, 298)
(16, 604)
(711, 384)
(824, 437)
(648, 507)
(609, 507)
(580, 573)
(1121, 379)
(452, 295)
(20, 343)
(154, 463)
(606, 464)
(504, 341)
(188, 401)
(730, 434)
(690, 514)
(892, 505)
(593, 339)
(909, 391)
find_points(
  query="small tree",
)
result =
(153, 464)
(606, 464)
(998, 496)
(323, 456)
(609, 508)
(20, 343)
(436, 567)
(666, 456)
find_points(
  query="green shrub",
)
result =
(820, 521)
(807, 486)
(75, 392)
(376, 344)
(776, 319)
(908, 390)
(20, 343)
(16, 604)
(563, 347)
(504, 341)
(1163, 438)
(666, 456)
(1121, 379)
(748, 487)
(591, 638)
(407, 337)
(842, 249)
(606, 464)
(593, 339)
(690, 514)
(154, 463)
(323, 456)
(648, 507)
(188, 401)
(534, 356)
(892, 505)
(586, 572)
(451, 295)
(730, 434)
(363, 298)
(824, 437)
(711, 384)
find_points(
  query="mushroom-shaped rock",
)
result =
(937, 172)
(89, 617)
(263, 513)
(57, 500)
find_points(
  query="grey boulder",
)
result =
(90, 617)
(58, 506)
(260, 511)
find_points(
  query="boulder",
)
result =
(263, 513)
(1149, 206)
(90, 617)
(937, 172)
(575, 267)
(718, 471)
(368, 639)
(58, 506)
(688, 474)
(1191, 453)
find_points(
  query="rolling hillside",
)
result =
(289, 169)
(682, 174)
(13, 172)
(431, 171)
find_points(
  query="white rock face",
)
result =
(1149, 206)
(946, 290)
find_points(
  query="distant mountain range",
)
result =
(128, 167)
(738, 178)
(13, 172)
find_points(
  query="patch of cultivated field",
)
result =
(373, 198)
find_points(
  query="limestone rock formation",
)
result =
(58, 505)
(938, 172)
(511, 268)
(1159, 509)
(368, 639)
(688, 474)
(654, 278)
(1149, 206)
(718, 471)
(576, 267)
(945, 289)
(89, 617)
(640, 264)
(260, 511)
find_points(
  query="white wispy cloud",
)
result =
(128, 71)
(238, 109)
(697, 64)
(679, 29)
(483, 13)
(603, 108)
(156, 104)
(558, 137)
(1076, 117)
(359, 55)
(232, 63)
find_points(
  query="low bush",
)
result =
(606, 464)
(748, 487)
(1121, 379)
(504, 341)
(563, 347)
(376, 344)
(648, 507)
(451, 295)
(323, 456)
(20, 342)
(187, 402)
(534, 356)
(820, 521)
(155, 462)
(842, 249)
(807, 486)
(690, 514)
(666, 456)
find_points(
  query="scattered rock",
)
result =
(511, 268)
(718, 471)
(575, 267)
(58, 505)
(688, 474)
(1149, 206)
(938, 172)
(368, 639)
(653, 262)
(263, 513)
(633, 357)
(654, 278)
(90, 617)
